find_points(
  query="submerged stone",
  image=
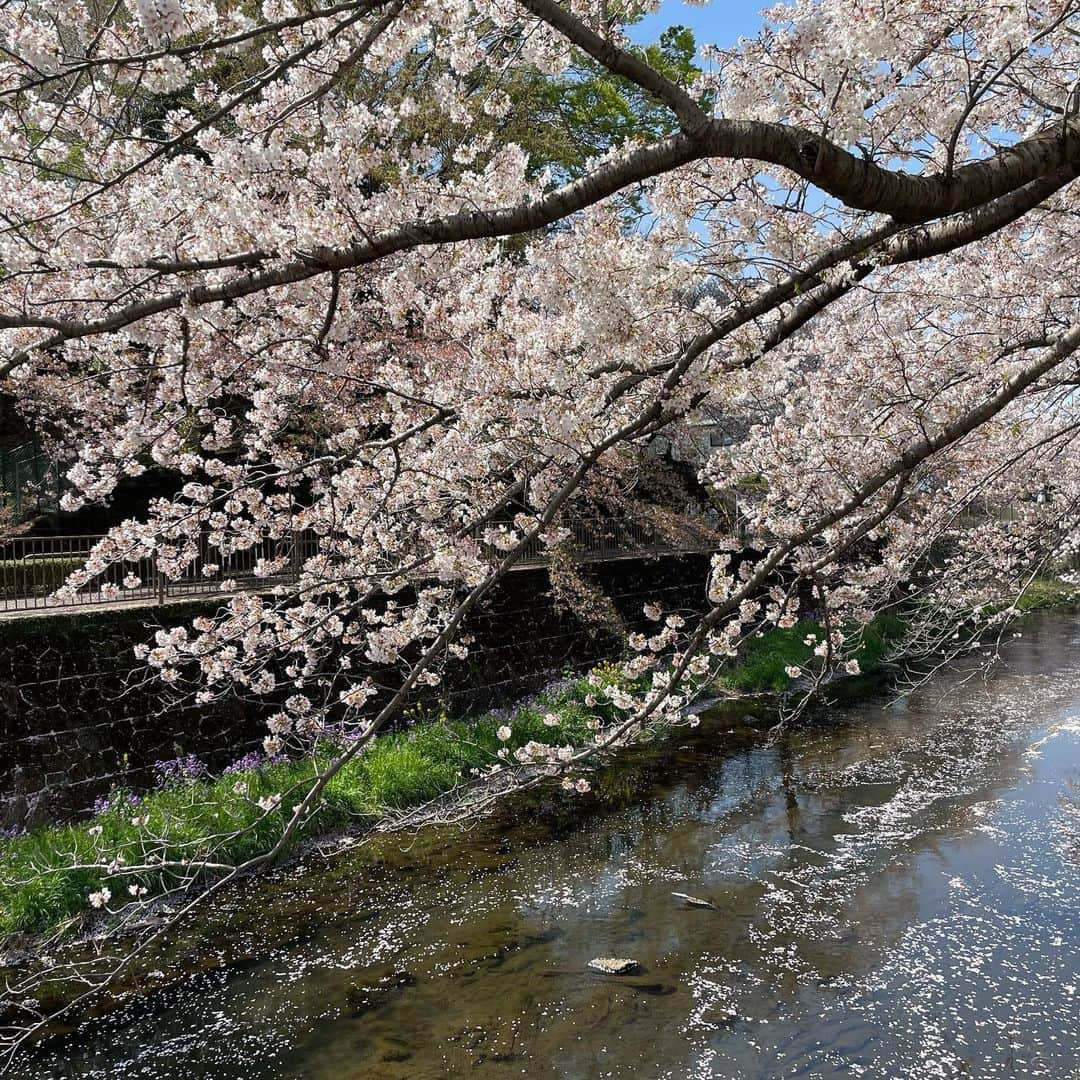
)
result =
(694, 901)
(656, 989)
(720, 1015)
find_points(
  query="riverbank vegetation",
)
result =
(768, 658)
(1046, 592)
(47, 876)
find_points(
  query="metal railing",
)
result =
(32, 569)
(974, 515)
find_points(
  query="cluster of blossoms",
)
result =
(100, 898)
(534, 752)
(581, 785)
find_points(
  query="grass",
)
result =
(409, 768)
(762, 668)
(1041, 593)
(1047, 592)
(39, 888)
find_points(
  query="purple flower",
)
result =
(256, 759)
(179, 770)
(116, 798)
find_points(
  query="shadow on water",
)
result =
(894, 892)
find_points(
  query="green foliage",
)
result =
(44, 882)
(1047, 592)
(399, 771)
(600, 110)
(1039, 594)
(42, 876)
(762, 668)
(560, 121)
(766, 657)
(72, 166)
(757, 482)
(877, 636)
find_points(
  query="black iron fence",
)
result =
(33, 569)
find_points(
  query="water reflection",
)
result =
(896, 894)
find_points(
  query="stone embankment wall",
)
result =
(78, 716)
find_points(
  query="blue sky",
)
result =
(721, 23)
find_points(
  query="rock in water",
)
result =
(694, 901)
(610, 965)
(376, 990)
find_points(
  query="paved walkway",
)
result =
(17, 607)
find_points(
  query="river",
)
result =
(896, 890)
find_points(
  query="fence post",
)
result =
(17, 490)
(296, 560)
(159, 583)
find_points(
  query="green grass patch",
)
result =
(765, 658)
(1042, 593)
(763, 666)
(1048, 592)
(47, 876)
(44, 876)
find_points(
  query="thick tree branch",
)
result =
(693, 119)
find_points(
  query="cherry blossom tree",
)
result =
(229, 252)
